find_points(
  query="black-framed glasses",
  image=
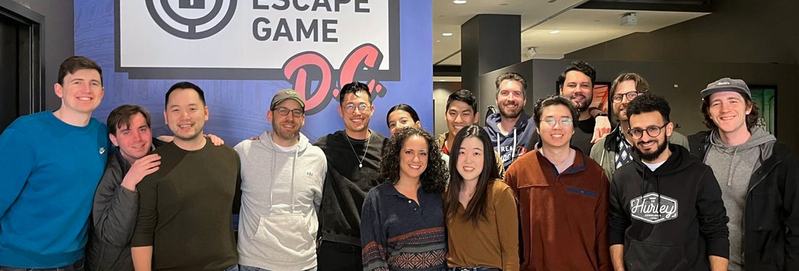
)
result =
(652, 131)
(285, 112)
(351, 107)
(630, 96)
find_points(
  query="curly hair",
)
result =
(435, 176)
(751, 118)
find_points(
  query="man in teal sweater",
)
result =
(51, 163)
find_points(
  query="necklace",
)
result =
(360, 160)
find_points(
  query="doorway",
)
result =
(21, 62)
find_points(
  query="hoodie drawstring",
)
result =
(293, 170)
(513, 153)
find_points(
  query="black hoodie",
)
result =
(669, 219)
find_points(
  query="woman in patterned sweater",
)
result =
(402, 221)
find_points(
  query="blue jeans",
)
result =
(232, 268)
(76, 266)
(250, 268)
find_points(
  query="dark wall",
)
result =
(679, 82)
(488, 86)
(738, 31)
(59, 40)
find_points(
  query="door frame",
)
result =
(31, 87)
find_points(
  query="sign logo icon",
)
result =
(196, 19)
(653, 208)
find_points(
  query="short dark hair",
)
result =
(120, 117)
(186, 85)
(403, 107)
(751, 118)
(641, 85)
(465, 96)
(353, 87)
(551, 100)
(513, 77)
(580, 66)
(649, 102)
(75, 63)
(435, 176)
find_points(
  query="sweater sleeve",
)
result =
(712, 216)
(16, 163)
(601, 215)
(114, 209)
(508, 220)
(144, 233)
(373, 239)
(618, 221)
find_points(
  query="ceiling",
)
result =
(576, 28)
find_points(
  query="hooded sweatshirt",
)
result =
(733, 167)
(514, 144)
(669, 219)
(281, 193)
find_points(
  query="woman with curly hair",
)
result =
(480, 209)
(402, 221)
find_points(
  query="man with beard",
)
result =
(281, 183)
(510, 128)
(576, 83)
(614, 150)
(666, 211)
(353, 157)
(757, 175)
(184, 220)
(563, 198)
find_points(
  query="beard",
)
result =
(652, 155)
(505, 113)
(584, 104)
(286, 134)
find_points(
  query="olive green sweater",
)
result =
(185, 209)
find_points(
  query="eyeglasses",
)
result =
(564, 122)
(652, 131)
(351, 107)
(285, 112)
(630, 96)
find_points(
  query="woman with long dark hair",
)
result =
(402, 221)
(481, 216)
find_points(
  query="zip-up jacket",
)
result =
(517, 142)
(771, 214)
(669, 219)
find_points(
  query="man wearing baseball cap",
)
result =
(282, 177)
(758, 178)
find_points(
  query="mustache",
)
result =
(647, 142)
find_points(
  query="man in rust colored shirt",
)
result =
(563, 197)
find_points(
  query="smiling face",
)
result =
(556, 126)
(413, 157)
(356, 110)
(286, 128)
(510, 98)
(399, 119)
(470, 159)
(185, 114)
(134, 140)
(459, 115)
(648, 147)
(578, 88)
(81, 93)
(728, 110)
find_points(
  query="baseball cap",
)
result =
(727, 84)
(285, 94)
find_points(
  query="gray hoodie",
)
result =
(733, 167)
(281, 192)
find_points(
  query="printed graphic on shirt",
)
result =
(647, 208)
(507, 155)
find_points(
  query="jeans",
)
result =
(250, 268)
(232, 268)
(76, 266)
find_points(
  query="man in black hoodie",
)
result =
(666, 211)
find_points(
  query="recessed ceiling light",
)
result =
(458, 2)
(438, 40)
(554, 31)
(446, 34)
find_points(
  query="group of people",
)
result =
(557, 189)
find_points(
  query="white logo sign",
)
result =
(647, 209)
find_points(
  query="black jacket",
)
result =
(669, 219)
(771, 214)
(113, 218)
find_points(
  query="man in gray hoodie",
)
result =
(282, 179)
(758, 179)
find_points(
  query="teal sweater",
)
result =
(50, 170)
